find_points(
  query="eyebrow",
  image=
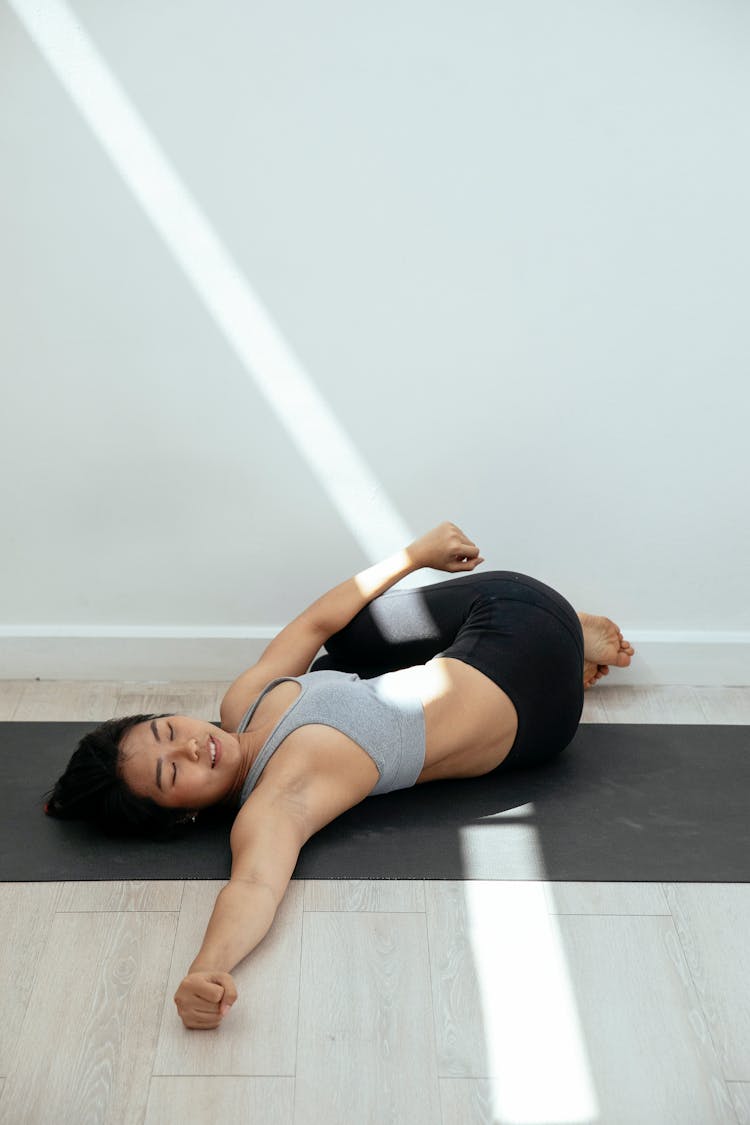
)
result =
(161, 760)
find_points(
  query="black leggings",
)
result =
(520, 633)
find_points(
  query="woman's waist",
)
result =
(462, 707)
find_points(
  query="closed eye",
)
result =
(174, 773)
(171, 731)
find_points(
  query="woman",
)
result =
(454, 680)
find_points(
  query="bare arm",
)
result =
(266, 839)
(444, 548)
(241, 918)
(267, 835)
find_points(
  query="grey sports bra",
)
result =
(379, 715)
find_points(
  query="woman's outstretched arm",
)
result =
(266, 839)
(279, 816)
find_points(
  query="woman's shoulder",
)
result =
(308, 760)
(243, 693)
(331, 775)
(247, 689)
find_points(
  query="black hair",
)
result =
(92, 788)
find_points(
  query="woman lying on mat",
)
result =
(456, 679)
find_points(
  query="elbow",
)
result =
(250, 886)
(319, 628)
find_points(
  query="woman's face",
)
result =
(181, 762)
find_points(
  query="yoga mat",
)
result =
(633, 803)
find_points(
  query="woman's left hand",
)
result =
(446, 547)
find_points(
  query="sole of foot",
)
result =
(603, 645)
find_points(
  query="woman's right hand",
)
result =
(204, 998)
(446, 547)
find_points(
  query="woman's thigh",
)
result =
(402, 628)
(410, 626)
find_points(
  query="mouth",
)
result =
(214, 749)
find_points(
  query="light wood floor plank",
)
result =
(594, 710)
(366, 1038)
(468, 1101)
(10, 695)
(713, 923)
(87, 1044)
(83, 700)
(258, 1036)
(378, 895)
(456, 990)
(725, 704)
(66, 700)
(126, 895)
(220, 690)
(605, 898)
(197, 699)
(677, 704)
(27, 911)
(215, 1101)
(650, 1056)
(602, 1007)
(471, 1101)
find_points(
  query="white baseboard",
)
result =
(693, 658)
(135, 653)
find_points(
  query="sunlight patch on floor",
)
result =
(536, 1059)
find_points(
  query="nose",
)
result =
(187, 748)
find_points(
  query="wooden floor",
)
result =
(412, 1003)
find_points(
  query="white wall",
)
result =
(509, 243)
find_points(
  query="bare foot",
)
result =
(603, 644)
(593, 672)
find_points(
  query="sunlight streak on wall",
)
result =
(215, 276)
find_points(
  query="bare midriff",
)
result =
(470, 723)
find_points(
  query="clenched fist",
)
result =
(446, 547)
(204, 998)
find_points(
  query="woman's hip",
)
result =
(531, 647)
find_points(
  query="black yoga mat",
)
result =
(632, 803)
